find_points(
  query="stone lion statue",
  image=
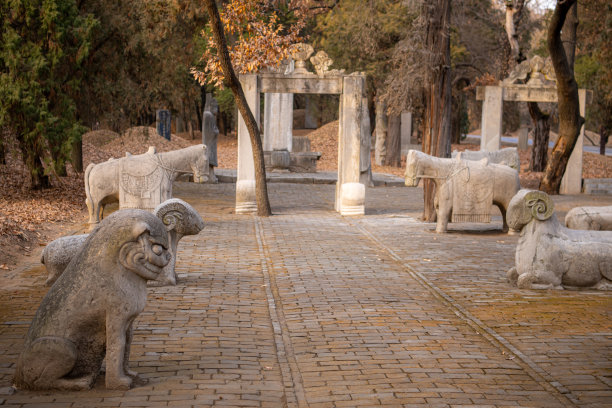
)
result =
(550, 256)
(88, 313)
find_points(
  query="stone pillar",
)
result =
(163, 122)
(406, 132)
(365, 162)
(491, 126)
(380, 152)
(278, 125)
(310, 120)
(571, 183)
(350, 193)
(246, 202)
(523, 138)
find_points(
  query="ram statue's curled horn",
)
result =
(179, 216)
(541, 205)
(527, 205)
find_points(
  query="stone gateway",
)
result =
(88, 313)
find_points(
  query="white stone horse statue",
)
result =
(465, 190)
(140, 181)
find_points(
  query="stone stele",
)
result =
(179, 217)
(88, 313)
(550, 256)
(140, 181)
(465, 190)
(589, 218)
(507, 156)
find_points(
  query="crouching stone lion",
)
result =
(550, 256)
(88, 313)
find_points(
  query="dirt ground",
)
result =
(30, 219)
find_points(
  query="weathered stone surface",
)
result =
(464, 189)
(550, 256)
(88, 313)
(589, 218)
(507, 156)
(141, 181)
(491, 124)
(210, 133)
(179, 217)
(58, 253)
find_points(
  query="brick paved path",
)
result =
(310, 309)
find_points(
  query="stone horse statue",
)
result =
(140, 181)
(465, 190)
(550, 256)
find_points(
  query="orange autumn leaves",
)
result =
(256, 39)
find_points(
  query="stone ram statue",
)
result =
(465, 190)
(589, 218)
(179, 217)
(88, 314)
(550, 256)
(507, 156)
(140, 181)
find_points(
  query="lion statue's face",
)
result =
(146, 256)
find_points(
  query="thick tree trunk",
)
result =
(541, 135)
(261, 188)
(570, 120)
(394, 141)
(437, 120)
(603, 139)
(76, 156)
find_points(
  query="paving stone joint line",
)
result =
(292, 379)
(536, 372)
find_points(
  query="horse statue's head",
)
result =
(411, 178)
(199, 164)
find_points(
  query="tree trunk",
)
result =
(261, 188)
(76, 156)
(603, 139)
(570, 120)
(394, 141)
(541, 135)
(437, 118)
(380, 146)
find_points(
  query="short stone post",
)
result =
(571, 183)
(163, 122)
(405, 131)
(491, 126)
(246, 202)
(350, 193)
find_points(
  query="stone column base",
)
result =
(352, 199)
(246, 202)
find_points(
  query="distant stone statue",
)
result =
(88, 313)
(210, 133)
(550, 256)
(465, 190)
(507, 156)
(141, 181)
(589, 218)
(179, 217)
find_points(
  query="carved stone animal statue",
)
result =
(507, 156)
(589, 218)
(550, 256)
(179, 217)
(140, 181)
(88, 313)
(465, 190)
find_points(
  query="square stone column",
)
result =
(571, 183)
(491, 125)
(350, 193)
(246, 202)
(278, 125)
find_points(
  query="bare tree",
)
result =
(263, 203)
(570, 120)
